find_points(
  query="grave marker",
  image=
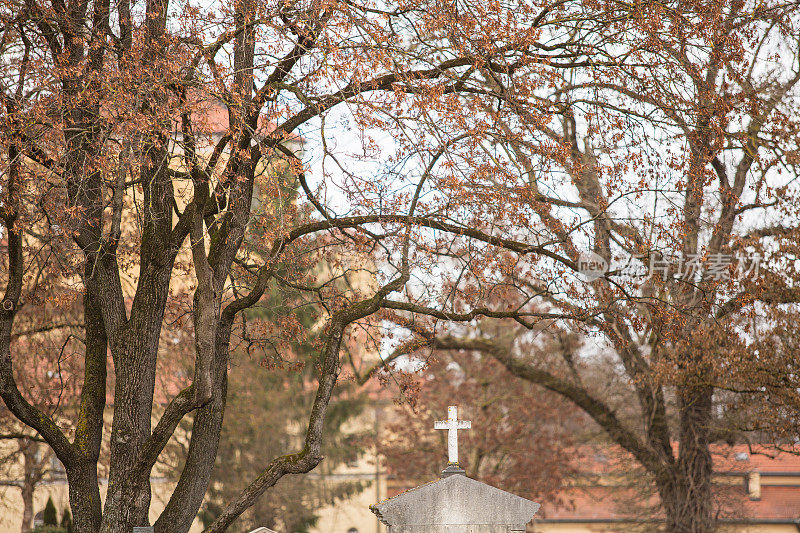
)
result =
(455, 503)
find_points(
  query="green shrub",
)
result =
(50, 516)
(66, 522)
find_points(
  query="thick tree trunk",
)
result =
(84, 497)
(134, 350)
(128, 500)
(687, 496)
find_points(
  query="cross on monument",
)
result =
(452, 425)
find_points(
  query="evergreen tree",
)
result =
(66, 522)
(265, 407)
(50, 516)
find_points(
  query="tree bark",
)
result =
(688, 500)
(134, 349)
(188, 495)
(84, 496)
(27, 507)
(29, 481)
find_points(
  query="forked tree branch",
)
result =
(310, 456)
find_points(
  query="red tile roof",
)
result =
(742, 458)
(602, 504)
(611, 504)
(775, 503)
(212, 116)
(601, 497)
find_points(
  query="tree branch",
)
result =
(595, 408)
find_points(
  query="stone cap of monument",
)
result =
(455, 500)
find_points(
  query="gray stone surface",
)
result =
(455, 504)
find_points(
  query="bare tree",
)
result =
(111, 157)
(674, 158)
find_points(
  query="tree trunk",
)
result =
(134, 349)
(687, 496)
(128, 501)
(188, 495)
(84, 497)
(27, 508)
(28, 449)
(84, 490)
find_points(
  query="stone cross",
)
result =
(452, 425)
(455, 503)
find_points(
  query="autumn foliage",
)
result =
(462, 157)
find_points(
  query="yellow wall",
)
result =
(354, 512)
(767, 480)
(11, 503)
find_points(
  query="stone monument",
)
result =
(455, 503)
